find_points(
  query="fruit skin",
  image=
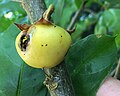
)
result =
(47, 46)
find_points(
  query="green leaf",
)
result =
(78, 3)
(9, 12)
(110, 19)
(113, 3)
(17, 78)
(109, 24)
(83, 25)
(88, 4)
(89, 61)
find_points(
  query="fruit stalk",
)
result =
(57, 79)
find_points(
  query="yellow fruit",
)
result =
(43, 45)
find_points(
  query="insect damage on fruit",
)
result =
(24, 40)
(42, 44)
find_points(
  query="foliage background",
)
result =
(91, 58)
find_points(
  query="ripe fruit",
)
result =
(42, 45)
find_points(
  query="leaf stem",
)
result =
(76, 16)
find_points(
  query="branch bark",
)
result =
(60, 83)
(57, 79)
(34, 9)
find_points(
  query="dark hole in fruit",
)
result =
(42, 45)
(24, 42)
(61, 35)
(46, 44)
(54, 26)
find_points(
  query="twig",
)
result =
(90, 11)
(77, 15)
(117, 73)
(48, 12)
(57, 79)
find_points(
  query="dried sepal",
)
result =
(23, 26)
(43, 21)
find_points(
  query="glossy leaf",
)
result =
(17, 79)
(89, 61)
(109, 24)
